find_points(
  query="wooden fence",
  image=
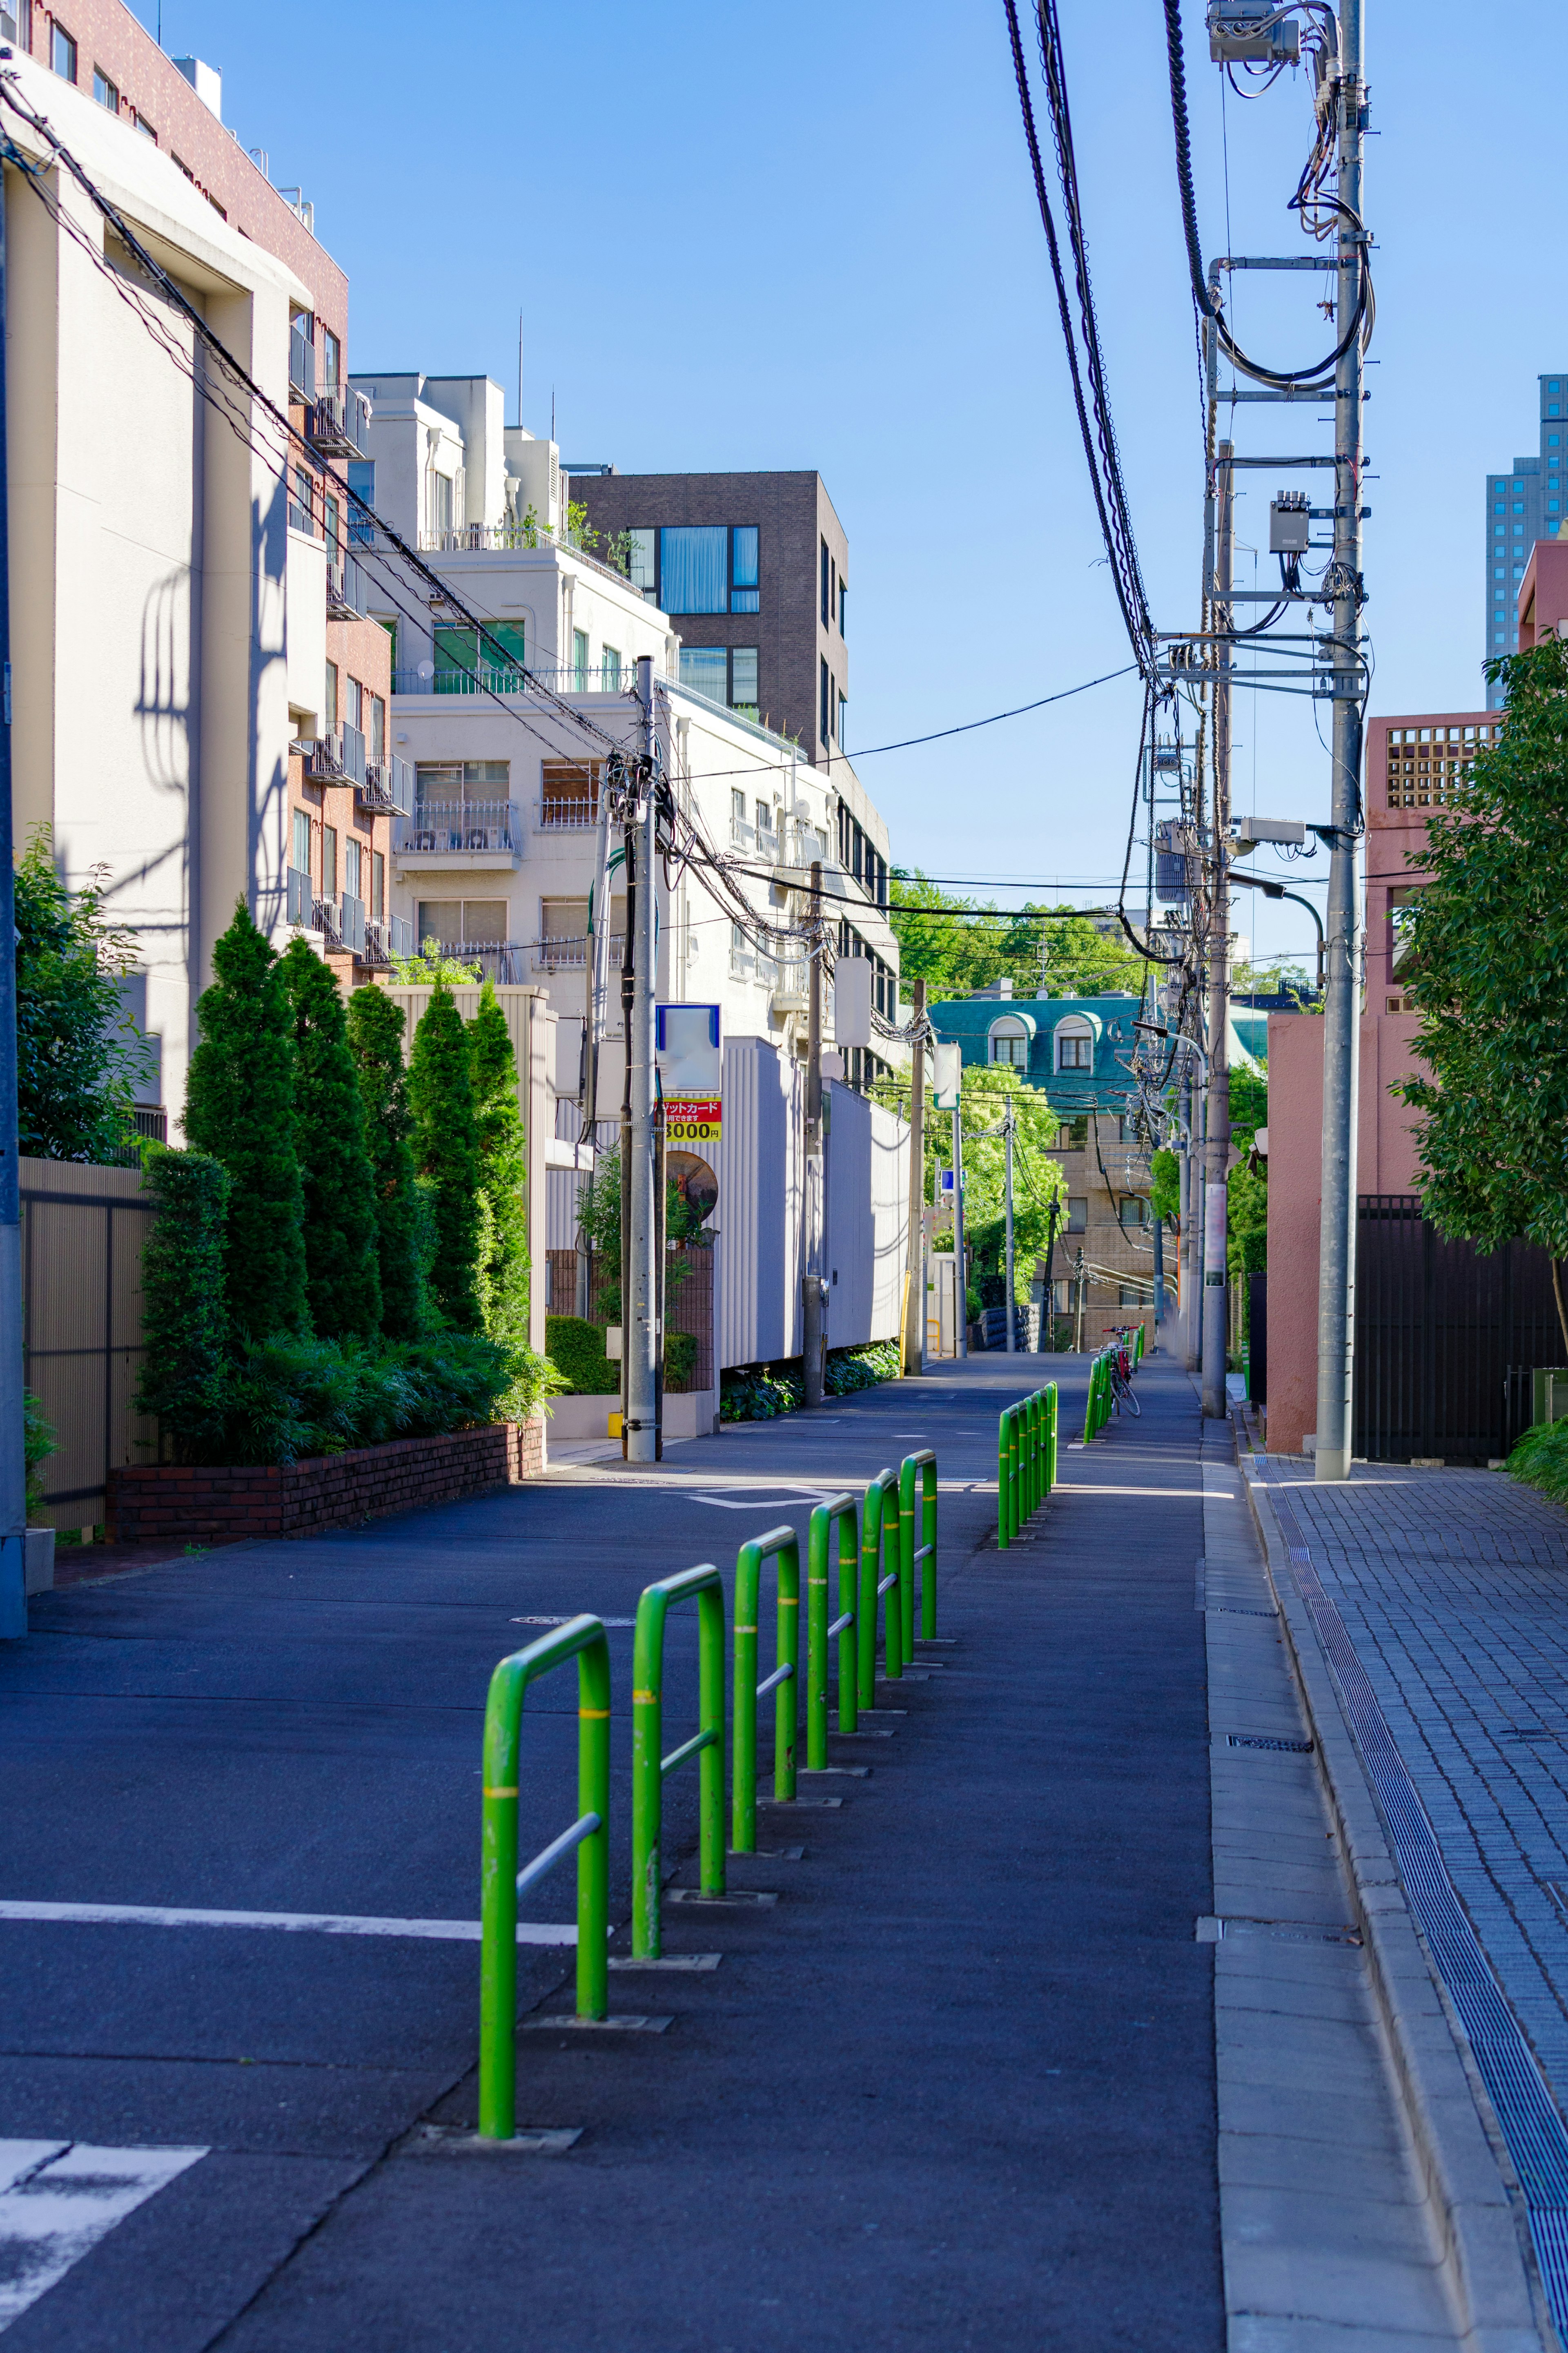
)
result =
(82, 1232)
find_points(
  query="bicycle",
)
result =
(1121, 1389)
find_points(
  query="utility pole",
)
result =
(596, 982)
(915, 1297)
(1341, 1005)
(1217, 1148)
(1048, 1306)
(961, 1331)
(12, 1467)
(640, 1335)
(813, 1339)
(1007, 1149)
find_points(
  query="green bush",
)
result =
(446, 1151)
(289, 1398)
(679, 1360)
(79, 1058)
(503, 1263)
(1541, 1459)
(39, 1442)
(862, 1368)
(762, 1392)
(341, 1238)
(576, 1348)
(185, 1321)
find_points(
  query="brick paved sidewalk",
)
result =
(1453, 1586)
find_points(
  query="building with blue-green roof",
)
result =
(1076, 1049)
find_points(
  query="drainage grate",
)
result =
(1262, 1740)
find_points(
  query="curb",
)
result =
(1486, 2257)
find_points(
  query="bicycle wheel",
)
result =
(1127, 1391)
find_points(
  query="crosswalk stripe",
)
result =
(60, 2198)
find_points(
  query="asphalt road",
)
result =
(955, 2089)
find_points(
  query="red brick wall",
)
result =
(219, 1504)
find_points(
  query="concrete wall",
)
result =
(1386, 1162)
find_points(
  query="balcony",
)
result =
(338, 424)
(387, 943)
(502, 961)
(388, 787)
(487, 679)
(338, 758)
(350, 923)
(325, 919)
(570, 953)
(560, 814)
(459, 832)
(299, 901)
(347, 592)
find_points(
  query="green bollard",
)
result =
(650, 1765)
(1050, 1436)
(839, 1511)
(583, 1638)
(1004, 1536)
(784, 1681)
(921, 1466)
(878, 1546)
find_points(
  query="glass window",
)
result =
(1077, 1215)
(1553, 386)
(843, 608)
(610, 669)
(693, 569)
(743, 678)
(1552, 408)
(1555, 440)
(441, 920)
(361, 482)
(377, 886)
(331, 696)
(505, 655)
(331, 354)
(643, 562)
(439, 495)
(145, 128)
(354, 866)
(329, 861)
(62, 52)
(1010, 1044)
(1072, 1134)
(842, 722)
(822, 693)
(354, 704)
(300, 857)
(705, 669)
(580, 660)
(377, 728)
(824, 608)
(104, 91)
(1075, 1050)
(391, 628)
(744, 597)
(737, 812)
(332, 514)
(1129, 1295)
(301, 506)
(457, 653)
(1134, 1212)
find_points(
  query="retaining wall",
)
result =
(217, 1504)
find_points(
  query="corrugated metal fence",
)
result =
(82, 1232)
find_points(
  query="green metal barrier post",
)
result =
(840, 1512)
(1051, 1397)
(501, 1883)
(784, 1543)
(1032, 1422)
(1007, 1477)
(920, 1468)
(878, 1548)
(649, 1764)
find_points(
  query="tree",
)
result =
(1490, 949)
(184, 1316)
(503, 1268)
(1037, 1179)
(340, 1269)
(433, 964)
(375, 1026)
(446, 1151)
(239, 1107)
(79, 1058)
(957, 946)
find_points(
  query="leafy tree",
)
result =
(239, 1107)
(79, 1057)
(184, 1316)
(957, 946)
(403, 1237)
(447, 1150)
(1165, 1192)
(503, 1268)
(341, 1268)
(599, 1216)
(433, 964)
(1037, 1177)
(1489, 950)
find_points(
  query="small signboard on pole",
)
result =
(691, 1073)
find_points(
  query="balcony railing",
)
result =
(325, 919)
(511, 538)
(502, 961)
(299, 899)
(347, 590)
(447, 826)
(350, 923)
(487, 679)
(387, 941)
(562, 815)
(301, 360)
(339, 423)
(338, 757)
(388, 785)
(571, 952)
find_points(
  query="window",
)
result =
(354, 704)
(329, 861)
(580, 660)
(743, 679)
(1129, 1295)
(694, 564)
(1075, 1047)
(463, 665)
(822, 713)
(377, 887)
(737, 815)
(62, 52)
(104, 91)
(706, 670)
(765, 818)
(1553, 440)
(332, 357)
(826, 612)
(1010, 1044)
(299, 855)
(145, 128)
(391, 628)
(377, 728)
(1072, 1134)
(563, 933)
(842, 722)
(569, 792)
(1134, 1213)
(302, 505)
(743, 580)
(475, 923)
(843, 609)
(331, 516)
(354, 866)
(610, 669)
(1077, 1216)
(361, 482)
(643, 562)
(331, 697)
(446, 788)
(440, 494)
(302, 355)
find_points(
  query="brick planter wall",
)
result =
(218, 1504)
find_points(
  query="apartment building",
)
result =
(1523, 506)
(177, 608)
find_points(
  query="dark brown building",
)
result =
(752, 569)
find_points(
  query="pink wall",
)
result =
(1543, 592)
(1386, 1162)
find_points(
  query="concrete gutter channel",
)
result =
(1485, 2253)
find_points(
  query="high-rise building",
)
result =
(1522, 506)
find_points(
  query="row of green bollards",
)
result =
(1026, 1459)
(886, 1550)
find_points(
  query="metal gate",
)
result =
(1441, 1335)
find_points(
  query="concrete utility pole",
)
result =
(813, 1336)
(12, 1467)
(1217, 1149)
(1342, 1008)
(641, 1338)
(915, 1298)
(1007, 1147)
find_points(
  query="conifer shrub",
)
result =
(239, 1107)
(185, 1318)
(405, 1234)
(445, 1150)
(341, 1269)
(503, 1263)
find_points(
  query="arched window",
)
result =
(1074, 1044)
(1010, 1040)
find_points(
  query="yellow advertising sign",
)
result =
(693, 1119)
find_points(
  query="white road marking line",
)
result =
(789, 1501)
(321, 1924)
(566, 1622)
(59, 2197)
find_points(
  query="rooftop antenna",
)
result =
(520, 370)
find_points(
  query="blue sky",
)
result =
(752, 238)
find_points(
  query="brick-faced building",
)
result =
(754, 571)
